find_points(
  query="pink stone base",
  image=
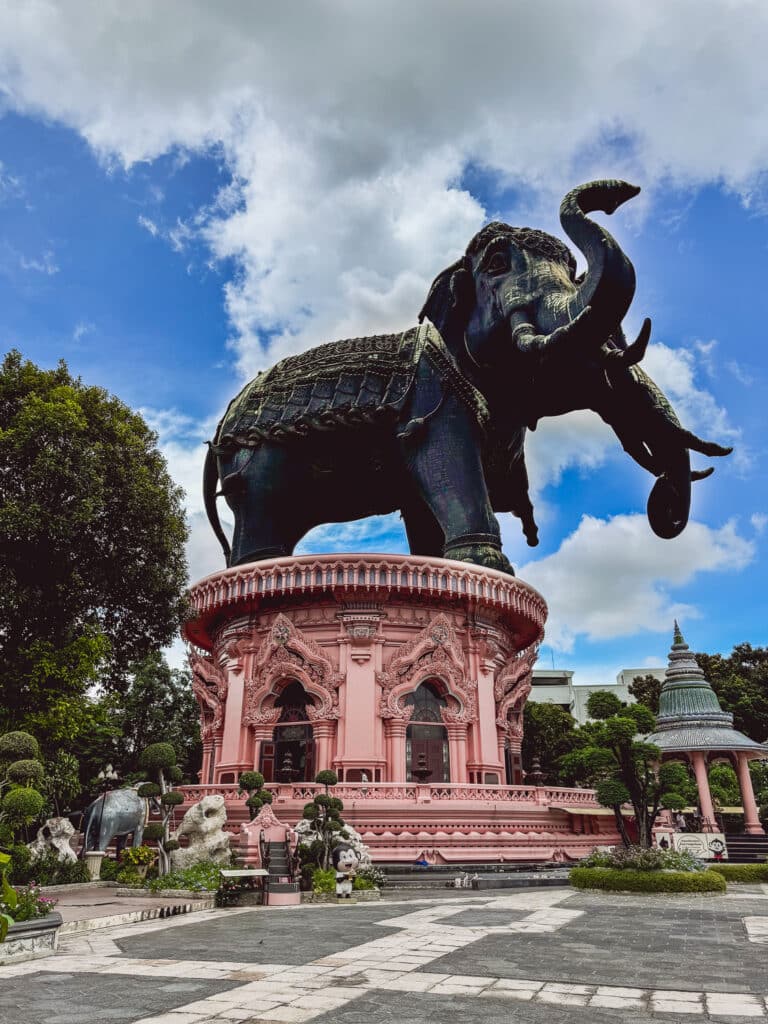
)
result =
(283, 899)
(450, 824)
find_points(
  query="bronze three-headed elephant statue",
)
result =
(432, 421)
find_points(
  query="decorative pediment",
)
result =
(513, 685)
(287, 653)
(210, 687)
(434, 652)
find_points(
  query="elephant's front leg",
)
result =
(445, 463)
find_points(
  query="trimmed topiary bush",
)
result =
(742, 872)
(630, 880)
(18, 746)
(22, 805)
(158, 757)
(26, 772)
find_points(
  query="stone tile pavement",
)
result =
(528, 956)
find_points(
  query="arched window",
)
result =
(290, 757)
(426, 738)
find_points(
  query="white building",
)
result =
(556, 686)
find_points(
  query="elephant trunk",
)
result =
(608, 285)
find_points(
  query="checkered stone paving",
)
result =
(529, 956)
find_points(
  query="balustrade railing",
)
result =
(411, 792)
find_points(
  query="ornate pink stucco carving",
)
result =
(434, 652)
(210, 687)
(287, 653)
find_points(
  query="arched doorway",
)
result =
(426, 738)
(290, 757)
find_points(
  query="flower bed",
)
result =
(28, 940)
(633, 880)
(742, 872)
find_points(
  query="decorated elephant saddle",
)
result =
(340, 385)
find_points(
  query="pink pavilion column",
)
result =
(261, 733)
(206, 771)
(457, 746)
(323, 735)
(396, 728)
(752, 824)
(699, 761)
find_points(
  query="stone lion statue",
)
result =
(54, 835)
(203, 826)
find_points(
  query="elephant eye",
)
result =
(497, 263)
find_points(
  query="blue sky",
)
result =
(185, 196)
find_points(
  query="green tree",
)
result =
(741, 684)
(21, 779)
(159, 762)
(252, 783)
(548, 733)
(646, 690)
(156, 701)
(325, 814)
(92, 570)
(622, 767)
(724, 785)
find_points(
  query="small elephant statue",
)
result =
(117, 814)
(432, 421)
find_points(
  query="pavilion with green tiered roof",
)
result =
(691, 723)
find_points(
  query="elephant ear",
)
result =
(450, 302)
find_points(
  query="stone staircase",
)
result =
(744, 849)
(279, 883)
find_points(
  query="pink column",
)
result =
(752, 824)
(457, 745)
(708, 823)
(396, 731)
(260, 734)
(323, 735)
(206, 771)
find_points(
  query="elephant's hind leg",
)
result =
(425, 535)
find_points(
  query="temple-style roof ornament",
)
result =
(690, 716)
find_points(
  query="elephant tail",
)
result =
(210, 479)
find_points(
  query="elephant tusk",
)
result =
(636, 351)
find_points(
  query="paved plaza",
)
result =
(535, 955)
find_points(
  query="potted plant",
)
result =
(29, 925)
(139, 859)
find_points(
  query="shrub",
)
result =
(171, 799)
(45, 870)
(742, 872)
(154, 831)
(324, 881)
(138, 856)
(26, 772)
(360, 882)
(205, 877)
(631, 880)
(149, 790)
(327, 777)
(250, 780)
(374, 875)
(109, 870)
(157, 757)
(15, 746)
(639, 858)
(22, 805)
(30, 904)
(130, 877)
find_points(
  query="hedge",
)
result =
(615, 880)
(742, 872)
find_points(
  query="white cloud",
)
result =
(346, 127)
(759, 521)
(82, 327)
(45, 264)
(613, 578)
(149, 225)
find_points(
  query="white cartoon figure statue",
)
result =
(345, 863)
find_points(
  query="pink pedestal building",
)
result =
(405, 675)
